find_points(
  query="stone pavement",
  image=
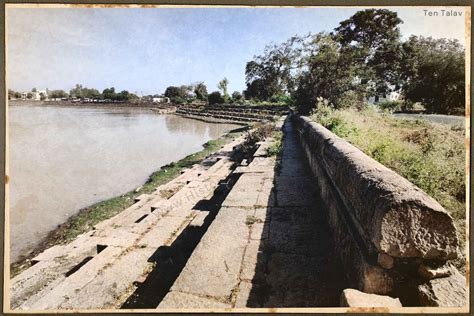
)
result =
(192, 244)
(268, 246)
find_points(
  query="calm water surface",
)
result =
(66, 158)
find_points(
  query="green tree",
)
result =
(215, 98)
(181, 94)
(236, 97)
(325, 73)
(54, 94)
(109, 93)
(76, 92)
(272, 73)
(91, 93)
(172, 92)
(222, 85)
(370, 40)
(200, 90)
(123, 95)
(434, 74)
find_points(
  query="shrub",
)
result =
(330, 118)
(277, 145)
(237, 97)
(215, 98)
(350, 99)
(180, 100)
(391, 106)
(282, 99)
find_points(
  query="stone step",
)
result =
(142, 197)
(225, 260)
(104, 262)
(262, 149)
(51, 297)
(199, 219)
(213, 269)
(132, 265)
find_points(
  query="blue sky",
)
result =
(146, 50)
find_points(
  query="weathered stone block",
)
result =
(355, 298)
(178, 300)
(395, 215)
(214, 266)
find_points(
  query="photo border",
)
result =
(235, 4)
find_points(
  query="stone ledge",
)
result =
(381, 223)
(396, 216)
(354, 298)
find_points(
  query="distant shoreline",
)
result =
(80, 104)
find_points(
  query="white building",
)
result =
(36, 95)
(161, 100)
(392, 96)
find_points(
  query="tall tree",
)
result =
(222, 85)
(434, 74)
(54, 94)
(236, 96)
(216, 98)
(371, 40)
(325, 72)
(179, 94)
(272, 73)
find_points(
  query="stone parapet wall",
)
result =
(386, 229)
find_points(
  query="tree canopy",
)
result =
(363, 57)
(200, 90)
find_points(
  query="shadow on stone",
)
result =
(296, 264)
(170, 260)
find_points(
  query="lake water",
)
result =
(65, 158)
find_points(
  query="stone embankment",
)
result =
(391, 236)
(234, 113)
(101, 268)
(164, 108)
(320, 225)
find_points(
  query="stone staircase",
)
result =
(101, 268)
(234, 113)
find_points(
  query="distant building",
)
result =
(36, 95)
(161, 99)
(392, 96)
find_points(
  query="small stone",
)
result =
(385, 261)
(355, 298)
(429, 273)
(444, 292)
